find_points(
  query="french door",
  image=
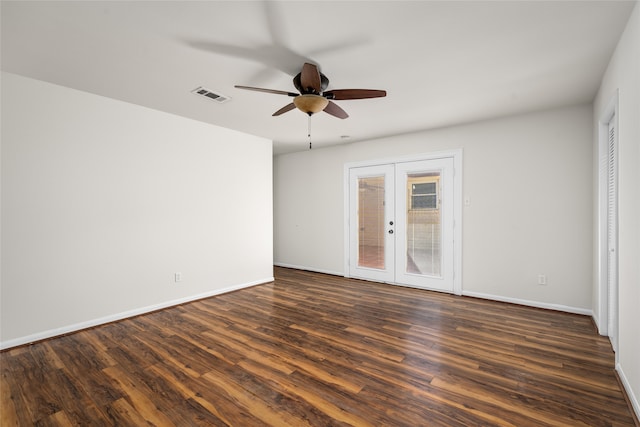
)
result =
(371, 223)
(401, 223)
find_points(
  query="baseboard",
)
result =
(315, 270)
(631, 397)
(51, 333)
(537, 304)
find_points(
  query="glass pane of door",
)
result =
(371, 222)
(423, 222)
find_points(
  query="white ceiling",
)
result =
(442, 63)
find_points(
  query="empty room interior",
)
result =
(313, 213)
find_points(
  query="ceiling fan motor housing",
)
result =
(297, 82)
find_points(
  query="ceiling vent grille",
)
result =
(217, 97)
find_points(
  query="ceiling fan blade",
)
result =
(333, 109)
(354, 94)
(284, 109)
(310, 78)
(259, 89)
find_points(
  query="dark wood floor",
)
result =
(312, 349)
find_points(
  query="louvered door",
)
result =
(612, 234)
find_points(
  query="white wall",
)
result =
(103, 201)
(623, 74)
(529, 181)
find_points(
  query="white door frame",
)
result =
(457, 204)
(607, 309)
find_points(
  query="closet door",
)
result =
(612, 235)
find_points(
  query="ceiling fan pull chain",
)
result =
(309, 131)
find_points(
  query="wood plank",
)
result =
(141, 402)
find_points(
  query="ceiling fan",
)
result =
(311, 84)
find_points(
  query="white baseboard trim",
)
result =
(537, 304)
(315, 270)
(627, 388)
(124, 315)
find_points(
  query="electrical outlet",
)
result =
(542, 279)
(177, 277)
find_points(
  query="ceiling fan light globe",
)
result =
(310, 103)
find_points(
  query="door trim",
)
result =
(456, 154)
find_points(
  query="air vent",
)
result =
(217, 97)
